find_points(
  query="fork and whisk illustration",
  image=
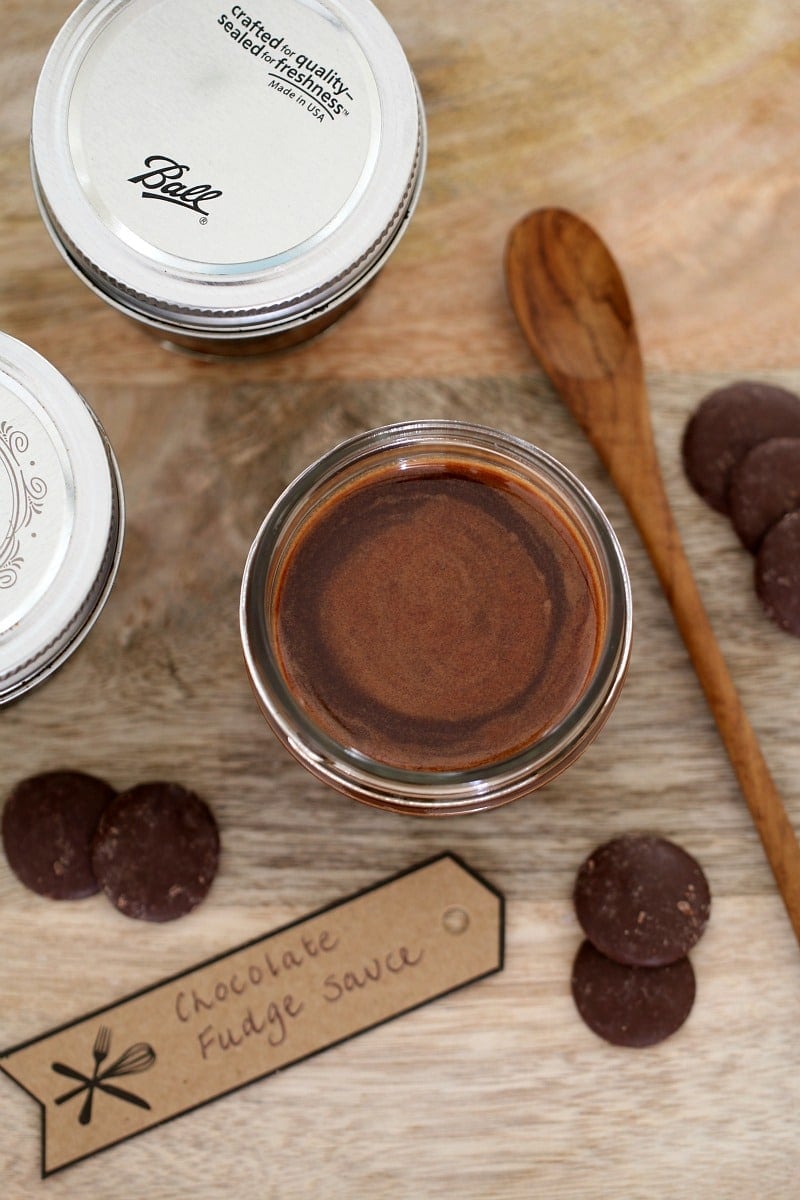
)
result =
(137, 1058)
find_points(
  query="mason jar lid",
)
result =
(226, 168)
(61, 518)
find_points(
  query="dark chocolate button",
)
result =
(156, 851)
(631, 1006)
(764, 487)
(778, 573)
(48, 824)
(726, 425)
(642, 900)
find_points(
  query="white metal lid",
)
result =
(222, 167)
(60, 518)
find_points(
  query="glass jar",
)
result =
(231, 180)
(436, 618)
(61, 519)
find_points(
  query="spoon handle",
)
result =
(649, 507)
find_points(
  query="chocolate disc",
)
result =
(48, 824)
(642, 900)
(764, 486)
(778, 573)
(631, 1006)
(156, 851)
(726, 425)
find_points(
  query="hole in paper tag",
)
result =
(261, 1007)
(456, 920)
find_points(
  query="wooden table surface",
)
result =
(672, 127)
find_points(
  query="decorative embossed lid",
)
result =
(60, 518)
(226, 169)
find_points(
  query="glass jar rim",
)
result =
(440, 792)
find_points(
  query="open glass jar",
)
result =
(436, 618)
(232, 180)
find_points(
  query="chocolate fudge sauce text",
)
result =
(222, 1024)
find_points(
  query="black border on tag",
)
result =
(169, 979)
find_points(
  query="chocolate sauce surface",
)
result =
(437, 620)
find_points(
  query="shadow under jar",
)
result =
(436, 618)
(231, 180)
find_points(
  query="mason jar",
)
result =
(232, 177)
(436, 618)
(61, 519)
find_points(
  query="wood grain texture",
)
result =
(673, 129)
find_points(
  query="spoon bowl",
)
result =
(572, 305)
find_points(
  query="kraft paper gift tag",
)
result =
(261, 1007)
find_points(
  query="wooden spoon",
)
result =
(572, 304)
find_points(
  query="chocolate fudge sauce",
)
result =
(441, 618)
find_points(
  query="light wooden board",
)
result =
(674, 129)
